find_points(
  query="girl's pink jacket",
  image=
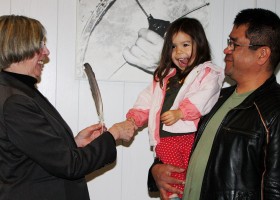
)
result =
(197, 96)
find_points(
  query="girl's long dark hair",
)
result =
(195, 30)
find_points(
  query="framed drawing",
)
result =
(106, 27)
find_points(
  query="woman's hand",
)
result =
(88, 134)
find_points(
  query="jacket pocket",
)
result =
(246, 133)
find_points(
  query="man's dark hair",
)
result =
(263, 29)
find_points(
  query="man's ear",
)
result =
(263, 55)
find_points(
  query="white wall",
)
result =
(126, 179)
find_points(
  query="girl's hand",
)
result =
(170, 117)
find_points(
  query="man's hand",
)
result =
(88, 134)
(161, 174)
(146, 51)
(170, 117)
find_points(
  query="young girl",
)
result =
(186, 86)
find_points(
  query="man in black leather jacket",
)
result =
(236, 154)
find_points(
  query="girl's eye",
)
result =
(186, 44)
(173, 46)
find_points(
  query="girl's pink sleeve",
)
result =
(141, 108)
(202, 95)
(139, 116)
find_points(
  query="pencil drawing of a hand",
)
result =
(145, 53)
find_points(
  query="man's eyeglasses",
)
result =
(231, 45)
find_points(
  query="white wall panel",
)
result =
(5, 7)
(277, 7)
(125, 179)
(137, 156)
(231, 8)
(112, 96)
(67, 91)
(215, 31)
(266, 4)
(47, 15)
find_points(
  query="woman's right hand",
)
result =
(163, 179)
(88, 134)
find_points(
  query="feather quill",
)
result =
(95, 92)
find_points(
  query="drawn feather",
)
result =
(95, 92)
(96, 16)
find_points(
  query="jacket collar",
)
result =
(224, 95)
(258, 92)
(8, 80)
(13, 82)
(28, 80)
(226, 92)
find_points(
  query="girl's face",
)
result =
(183, 50)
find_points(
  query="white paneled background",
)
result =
(126, 178)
